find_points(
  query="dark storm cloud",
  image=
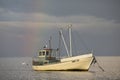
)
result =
(25, 25)
(108, 9)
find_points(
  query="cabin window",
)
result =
(39, 53)
(47, 52)
(43, 52)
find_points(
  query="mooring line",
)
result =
(95, 61)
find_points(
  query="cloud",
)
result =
(44, 23)
(22, 29)
(42, 20)
(108, 9)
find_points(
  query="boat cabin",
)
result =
(46, 56)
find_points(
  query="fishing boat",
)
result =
(48, 60)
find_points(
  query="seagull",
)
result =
(23, 63)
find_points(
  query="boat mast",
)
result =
(61, 33)
(50, 45)
(70, 37)
(59, 45)
(50, 42)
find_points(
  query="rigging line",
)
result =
(95, 61)
(54, 39)
(82, 41)
(74, 43)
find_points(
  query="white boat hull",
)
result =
(81, 62)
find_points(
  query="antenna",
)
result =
(50, 42)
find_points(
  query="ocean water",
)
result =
(19, 68)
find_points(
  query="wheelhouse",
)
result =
(48, 53)
(46, 56)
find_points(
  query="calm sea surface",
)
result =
(20, 69)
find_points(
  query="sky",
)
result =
(25, 25)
